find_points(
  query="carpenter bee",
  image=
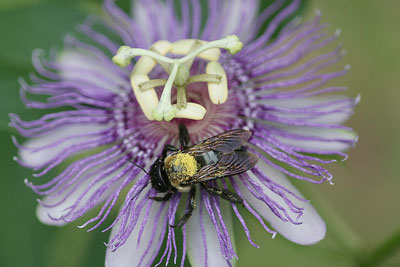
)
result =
(178, 170)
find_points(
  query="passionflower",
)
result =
(115, 100)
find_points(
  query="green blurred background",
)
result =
(361, 209)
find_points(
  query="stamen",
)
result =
(181, 97)
(192, 111)
(164, 109)
(230, 43)
(146, 64)
(218, 92)
(151, 84)
(208, 78)
(183, 47)
(183, 75)
(147, 99)
(179, 75)
(126, 53)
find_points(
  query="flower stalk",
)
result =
(383, 252)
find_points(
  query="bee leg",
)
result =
(223, 193)
(167, 149)
(166, 197)
(184, 137)
(188, 213)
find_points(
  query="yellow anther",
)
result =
(162, 47)
(144, 65)
(192, 111)
(183, 47)
(218, 91)
(147, 99)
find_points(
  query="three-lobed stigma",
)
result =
(179, 75)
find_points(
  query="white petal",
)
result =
(63, 208)
(33, 159)
(84, 68)
(195, 245)
(340, 102)
(340, 134)
(44, 212)
(48, 215)
(303, 103)
(141, 11)
(311, 230)
(238, 18)
(130, 253)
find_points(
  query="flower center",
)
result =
(178, 70)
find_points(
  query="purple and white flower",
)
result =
(279, 88)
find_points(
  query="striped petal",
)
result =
(202, 239)
(39, 150)
(90, 73)
(312, 228)
(151, 227)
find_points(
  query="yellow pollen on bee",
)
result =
(185, 162)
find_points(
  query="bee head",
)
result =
(159, 179)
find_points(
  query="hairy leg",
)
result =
(166, 197)
(189, 211)
(168, 148)
(223, 193)
(184, 137)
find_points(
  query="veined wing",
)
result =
(226, 142)
(229, 164)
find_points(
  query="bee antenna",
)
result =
(141, 189)
(138, 166)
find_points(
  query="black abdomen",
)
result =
(208, 158)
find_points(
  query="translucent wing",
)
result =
(225, 142)
(229, 164)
